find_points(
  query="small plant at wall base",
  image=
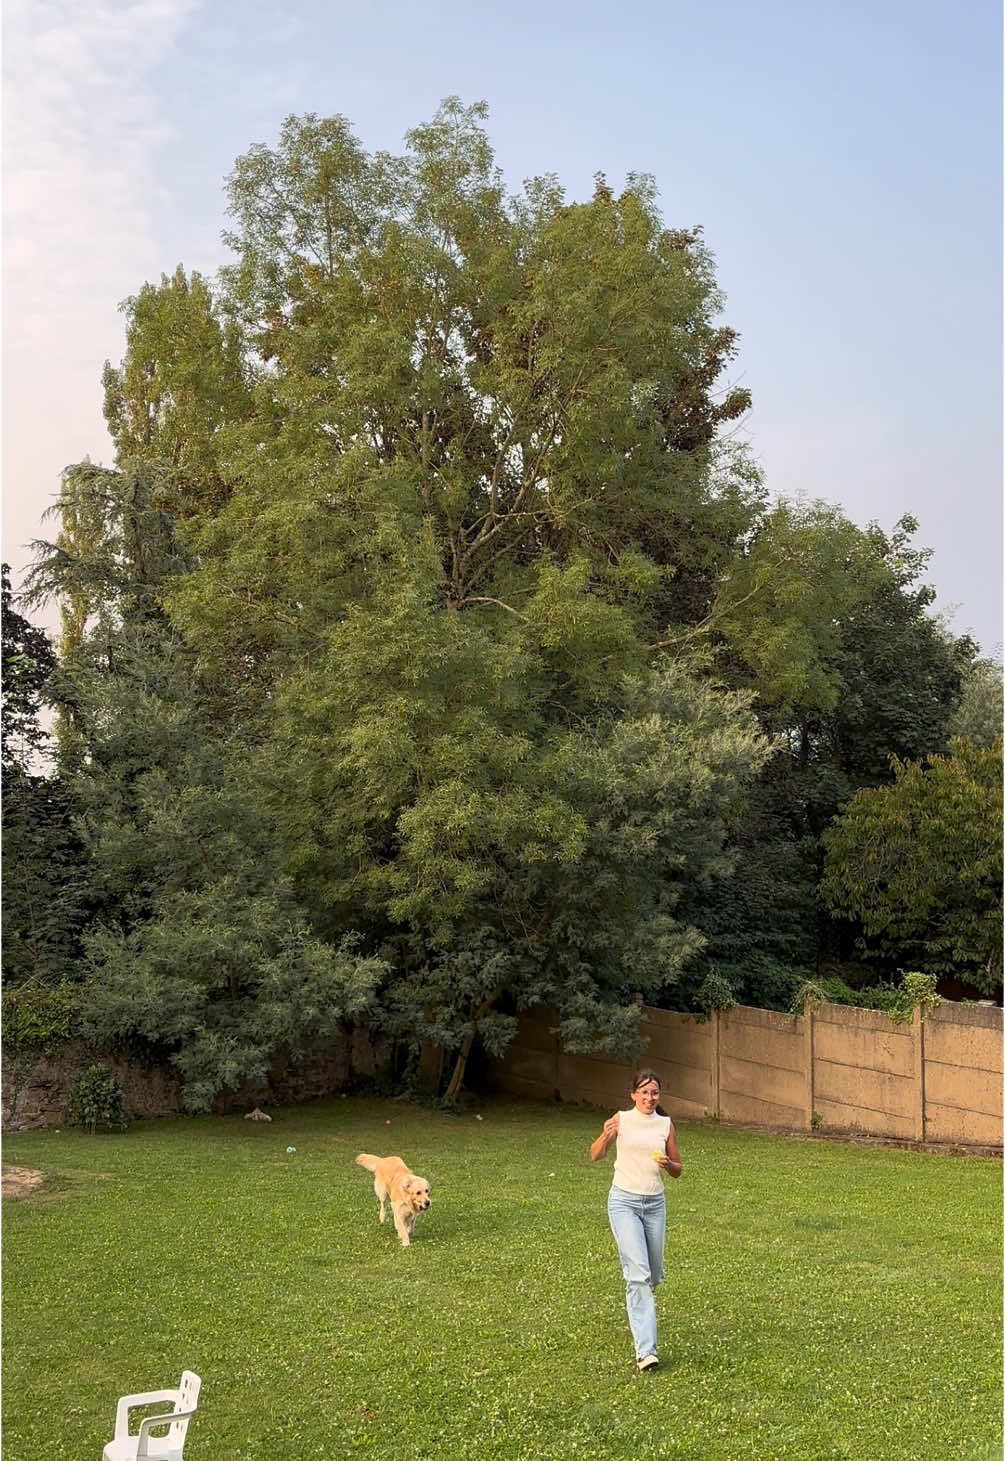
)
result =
(96, 1099)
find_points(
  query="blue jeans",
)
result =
(639, 1224)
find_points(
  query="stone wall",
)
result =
(36, 1090)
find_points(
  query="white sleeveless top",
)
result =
(635, 1169)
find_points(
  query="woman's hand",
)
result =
(669, 1161)
(606, 1139)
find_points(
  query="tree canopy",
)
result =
(432, 649)
(919, 863)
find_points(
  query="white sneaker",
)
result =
(648, 1362)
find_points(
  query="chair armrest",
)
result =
(148, 1423)
(130, 1402)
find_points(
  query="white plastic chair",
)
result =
(183, 1400)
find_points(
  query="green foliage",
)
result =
(489, 486)
(96, 1099)
(222, 982)
(813, 992)
(919, 863)
(209, 958)
(760, 920)
(118, 543)
(830, 621)
(916, 991)
(27, 662)
(46, 885)
(899, 1001)
(201, 950)
(179, 385)
(45, 899)
(830, 624)
(429, 652)
(979, 716)
(783, 603)
(37, 1019)
(715, 994)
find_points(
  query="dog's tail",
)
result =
(367, 1161)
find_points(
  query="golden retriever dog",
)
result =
(407, 1193)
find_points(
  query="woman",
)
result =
(636, 1206)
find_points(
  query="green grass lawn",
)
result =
(823, 1300)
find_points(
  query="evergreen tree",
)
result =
(44, 880)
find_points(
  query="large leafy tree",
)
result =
(512, 380)
(28, 661)
(919, 864)
(829, 623)
(477, 502)
(204, 951)
(429, 537)
(197, 944)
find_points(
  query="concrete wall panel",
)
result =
(891, 1050)
(978, 1047)
(868, 1090)
(848, 1017)
(764, 1036)
(762, 1082)
(589, 1078)
(524, 1063)
(684, 1083)
(950, 1124)
(968, 1090)
(685, 1042)
(838, 1116)
(758, 1111)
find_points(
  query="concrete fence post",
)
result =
(714, 1044)
(808, 1034)
(918, 1042)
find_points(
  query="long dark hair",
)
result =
(639, 1079)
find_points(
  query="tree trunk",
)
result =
(457, 1078)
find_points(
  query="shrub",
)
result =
(919, 864)
(899, 1001)
(96, 1098)
(715, 993)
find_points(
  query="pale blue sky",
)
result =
(845, 163)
